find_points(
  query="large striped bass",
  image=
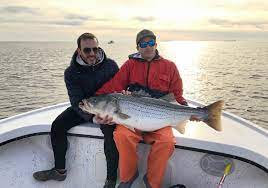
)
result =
(150, 114)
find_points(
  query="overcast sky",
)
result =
(64, 20)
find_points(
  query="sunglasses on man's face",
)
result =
(150, 43)
(88, 50)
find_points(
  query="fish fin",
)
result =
(214, 115)
(181, 127)
(122, 115)
(169, 97)
(140, 93)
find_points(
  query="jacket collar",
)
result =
(138, 57)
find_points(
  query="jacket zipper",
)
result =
(148, 71)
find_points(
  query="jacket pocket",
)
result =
(163, 82)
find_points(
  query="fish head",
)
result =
(96, 105)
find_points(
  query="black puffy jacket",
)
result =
(83, 81)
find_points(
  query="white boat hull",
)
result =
(87, 167)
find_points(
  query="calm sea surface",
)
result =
(237, 72)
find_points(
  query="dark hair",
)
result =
(86, 36)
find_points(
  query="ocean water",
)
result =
(235, 71)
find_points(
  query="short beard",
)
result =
(90, 63)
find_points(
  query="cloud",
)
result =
(230, 23)
(76, 17)
(144, 19)
(18, 10)
(43, 22)
(67, 19)
(65, 22)
(176, 34)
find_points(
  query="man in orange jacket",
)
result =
(148, 71)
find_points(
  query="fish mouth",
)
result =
(85, 105)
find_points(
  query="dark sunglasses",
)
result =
(88, 50)
(150, 43)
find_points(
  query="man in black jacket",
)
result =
(88, 71)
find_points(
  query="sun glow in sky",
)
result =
(49, 20)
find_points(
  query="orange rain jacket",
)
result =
(159, 74)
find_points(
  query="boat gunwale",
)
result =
(226, 114)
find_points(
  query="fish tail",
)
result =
(214, 115)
